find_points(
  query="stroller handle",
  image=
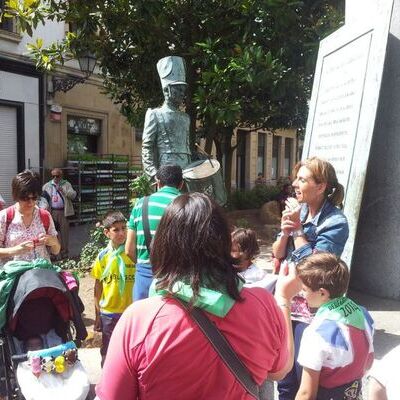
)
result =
(19, 358)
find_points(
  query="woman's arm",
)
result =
(15, 250)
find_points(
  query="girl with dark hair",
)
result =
(158, 351)
(26, 232)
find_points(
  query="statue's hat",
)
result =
(171, 70)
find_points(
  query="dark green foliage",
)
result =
(141, 186)
(97, 241)
(249, 62)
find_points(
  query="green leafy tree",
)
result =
(249, 62)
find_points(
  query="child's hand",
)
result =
(288, 284)
(97, 323)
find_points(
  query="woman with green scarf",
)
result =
(157, 350)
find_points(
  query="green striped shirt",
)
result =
(158, 202)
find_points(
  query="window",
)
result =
(82, 134)
(288, 156)
(261, 154)
(7, 24)
(275, 157)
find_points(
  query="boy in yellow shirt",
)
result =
(114, 272)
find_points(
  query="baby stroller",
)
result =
(40, 305)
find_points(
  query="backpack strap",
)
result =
(43, 214)
(45, 218)
(145, 222)
(10, 213)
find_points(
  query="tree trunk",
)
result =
(223, 144)
(190, 107)
(228, 168)
(209, 143)
(210, 135)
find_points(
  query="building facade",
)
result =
(22, 109)
(272, 154)
(40, 128)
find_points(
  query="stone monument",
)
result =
(166, 129)
(354, 123)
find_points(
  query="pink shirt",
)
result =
(17, 233)
(157, 351)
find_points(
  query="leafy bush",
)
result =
(97, 241)
(254, 198)
(139, 187)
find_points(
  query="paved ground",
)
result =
(386, 313)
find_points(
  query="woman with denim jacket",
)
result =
(310, 223)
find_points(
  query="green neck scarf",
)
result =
(342, 310)
(215, 302)
(116, 254)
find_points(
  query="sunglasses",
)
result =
(56, 176)
(27, 198)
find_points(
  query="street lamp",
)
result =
(87, 63)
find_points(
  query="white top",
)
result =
(386, 372)
(17, 233)
(257, 277)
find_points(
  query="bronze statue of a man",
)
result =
(166, 129)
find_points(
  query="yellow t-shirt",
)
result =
(111, 301)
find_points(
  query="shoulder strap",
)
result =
(224, 349)
(45, 218)
(10, 212)
(145, 222)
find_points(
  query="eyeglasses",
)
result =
(27, 198)
(56, 176)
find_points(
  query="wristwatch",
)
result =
(298, 233)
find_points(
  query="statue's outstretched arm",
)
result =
(149, 143)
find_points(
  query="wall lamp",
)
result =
(87, 62)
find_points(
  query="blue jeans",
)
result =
(143, 279)
(290, 384)
(108, 323)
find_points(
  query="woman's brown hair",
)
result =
(323, 172)
(24, 184)
(193, 244)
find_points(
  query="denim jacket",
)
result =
(327, 231)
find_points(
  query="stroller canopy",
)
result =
(40, 301)
(36, 279)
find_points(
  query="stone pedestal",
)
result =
(376, 254)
